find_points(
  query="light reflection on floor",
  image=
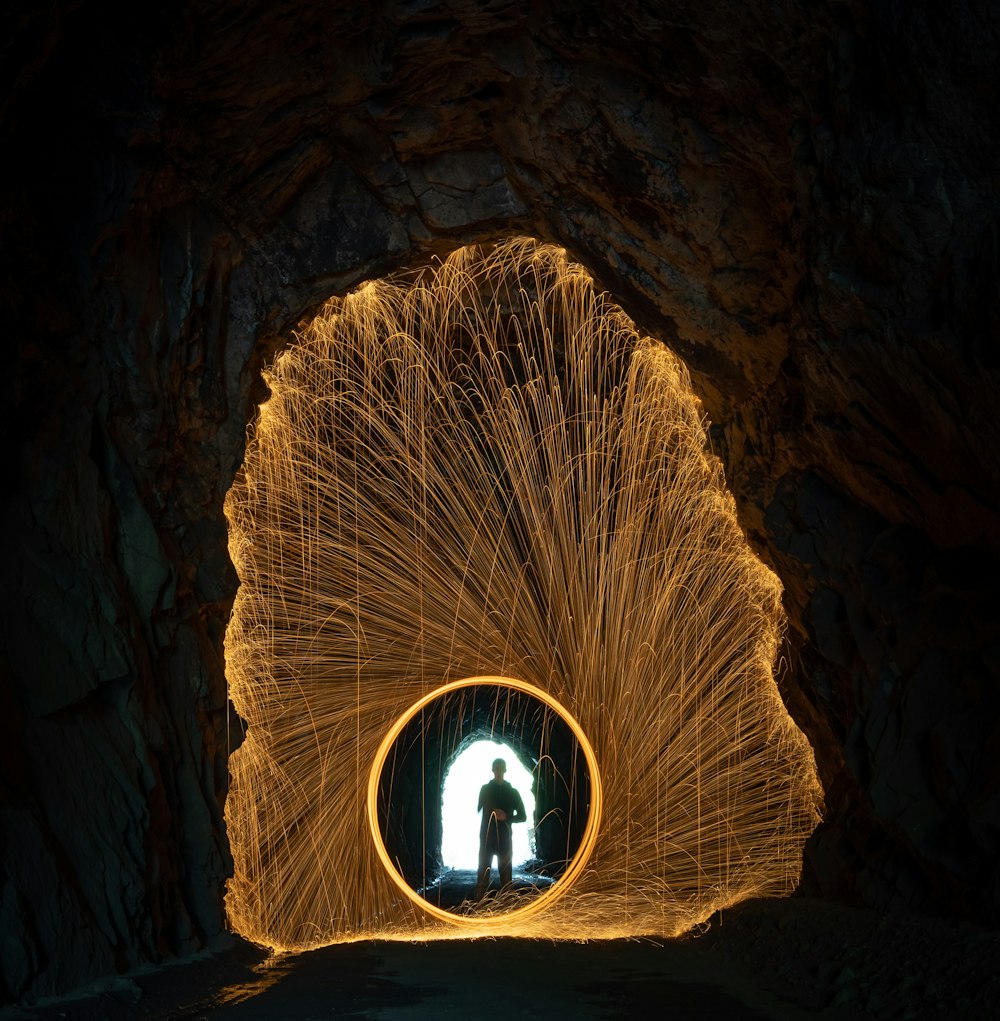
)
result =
(266, 974)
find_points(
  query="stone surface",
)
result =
(800, 199)
(789, 959)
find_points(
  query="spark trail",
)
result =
(485, 470)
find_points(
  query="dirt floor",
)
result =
(765, 959)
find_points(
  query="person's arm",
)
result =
(518, 813)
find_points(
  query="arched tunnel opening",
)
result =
(484, 470)
(461, 796)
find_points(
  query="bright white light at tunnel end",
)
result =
(459, 818)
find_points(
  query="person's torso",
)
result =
(498, 796)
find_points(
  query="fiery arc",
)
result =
(484, 470)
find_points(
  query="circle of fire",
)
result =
(587, 842)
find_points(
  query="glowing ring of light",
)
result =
(587, 842)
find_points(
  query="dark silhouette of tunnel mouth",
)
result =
(411, 786)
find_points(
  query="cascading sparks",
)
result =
(486, 470)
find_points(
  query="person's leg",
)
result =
(506, 871)
(505, 855)
(485, 867)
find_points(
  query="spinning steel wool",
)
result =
(485, 470)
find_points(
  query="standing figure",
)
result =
(501, 806)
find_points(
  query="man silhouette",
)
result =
(501, 806)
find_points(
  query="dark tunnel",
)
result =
(800, 199)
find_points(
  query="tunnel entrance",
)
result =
(484, 471)
(460, 817)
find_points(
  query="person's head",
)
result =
(499, 768)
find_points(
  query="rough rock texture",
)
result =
(800, 198)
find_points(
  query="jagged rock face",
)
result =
(800, 200)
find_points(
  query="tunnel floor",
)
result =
(454, 890)
(779, 959)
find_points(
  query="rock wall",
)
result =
(799, 198)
